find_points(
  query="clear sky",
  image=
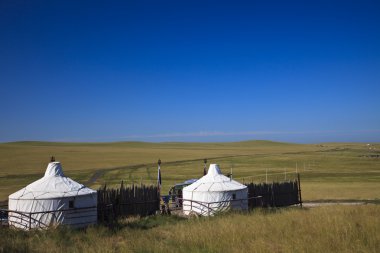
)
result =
(306, 71)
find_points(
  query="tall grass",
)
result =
(322, 229)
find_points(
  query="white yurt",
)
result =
(52, 200)
(214, 193)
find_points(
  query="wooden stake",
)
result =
(299, 189)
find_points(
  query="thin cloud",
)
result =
(245, 133)
(205, 134)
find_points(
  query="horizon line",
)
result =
(250, 136)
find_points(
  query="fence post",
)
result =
(30, 221)
(273, 196)
(299, 189)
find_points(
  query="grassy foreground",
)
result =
(322, 229)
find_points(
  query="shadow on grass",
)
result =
(143, 223)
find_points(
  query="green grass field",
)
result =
(329, 172)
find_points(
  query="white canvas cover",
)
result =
(213, 193)
(54, 199)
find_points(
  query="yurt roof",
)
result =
(214, 181)
(53, 184)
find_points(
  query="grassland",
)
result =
(323, 229)
(329, 172)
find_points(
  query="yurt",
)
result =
(52, 200)
(214, 193)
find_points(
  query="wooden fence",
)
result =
(125, 201)
(276, 194)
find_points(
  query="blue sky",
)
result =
(306, 71)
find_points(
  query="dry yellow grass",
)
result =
(322, 229)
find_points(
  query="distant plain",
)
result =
(329, 171)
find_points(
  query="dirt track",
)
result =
(316, 204)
